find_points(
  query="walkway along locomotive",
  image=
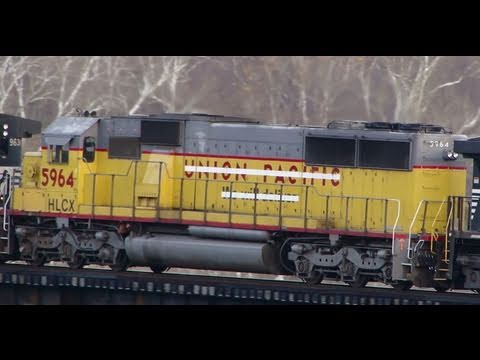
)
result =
(353, 201)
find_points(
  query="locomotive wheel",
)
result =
(158, 269)
(78, 262)
(359, 283)
(38, 259)
(314, 279)
(121, 262)
(402, 285)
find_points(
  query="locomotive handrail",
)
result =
(446, 233)
(231, 183)
(5, 203)
(396, 223)
(432, 231)
(409, 245)
(161, 163)
(134, 189)
(243, 182)
(280, 208)
(230, 204)
(327, 199)
(109, 174)
(414, 219)
(255, 206)
(113, 175)
(459, 202)
(457, 207)
(293, 186)
(343, 197)
(418, 245)
(305, 220)
(205, 198)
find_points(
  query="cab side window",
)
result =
(89, 149)
(57, 154)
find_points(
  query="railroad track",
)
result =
(219, 290)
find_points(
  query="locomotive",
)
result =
(13, 132)
(354, 201)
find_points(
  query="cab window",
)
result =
(89, 149)
(58, 154)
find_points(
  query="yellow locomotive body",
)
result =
(265, 193)
(242, 189)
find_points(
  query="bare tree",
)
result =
(415, 81)
(76, 75)
(66, 81)
(364, 70)
(38, 85)
(318, 81)
(305, 89)
(24, 81)
(12, 70)
(158, 79)
(471, 122)
(246, 86)
(300, 78)
(116, 75)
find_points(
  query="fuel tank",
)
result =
(229, 233)
(200, 253)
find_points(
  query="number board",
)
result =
(15, 142)
(57, 178)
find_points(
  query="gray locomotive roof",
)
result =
(69, 126)
(61, 130)
(194, 117)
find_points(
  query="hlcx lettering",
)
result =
(61, 205)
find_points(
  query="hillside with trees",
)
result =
(290, 89)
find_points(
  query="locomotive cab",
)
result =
(13, 131)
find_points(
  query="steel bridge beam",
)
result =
(21, 284)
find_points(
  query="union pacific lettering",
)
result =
(215, 164)
(290, 174)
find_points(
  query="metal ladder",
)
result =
(6, 192)
(442, 269)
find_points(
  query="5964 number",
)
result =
(56, 178)
(436, 143)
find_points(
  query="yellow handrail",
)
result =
(433, 234)
(446, 235)
(414, 219)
